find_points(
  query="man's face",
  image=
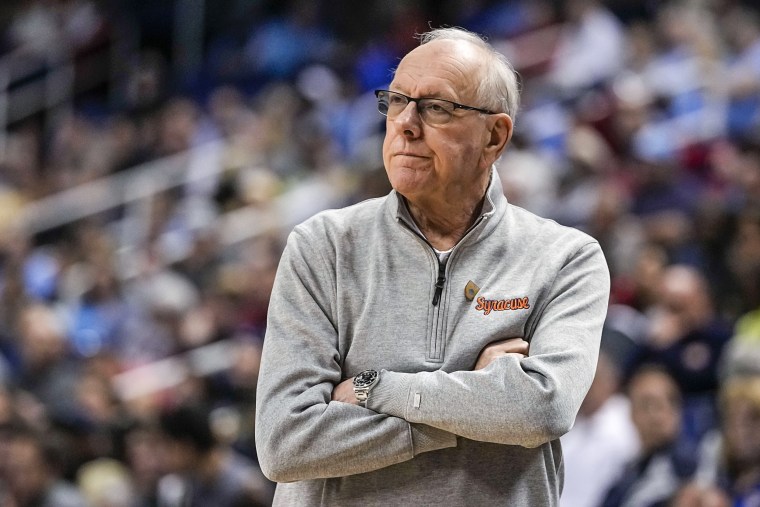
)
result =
(437, 163)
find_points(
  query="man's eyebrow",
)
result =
(424, 95)
(394, 87)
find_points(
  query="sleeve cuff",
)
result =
(426, 438)
(390, 395)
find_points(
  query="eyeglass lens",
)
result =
(432, 111)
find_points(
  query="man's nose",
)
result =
(409, 120)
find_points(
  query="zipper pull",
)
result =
(439, 284)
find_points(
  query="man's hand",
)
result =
(345, 392)
(509, 347)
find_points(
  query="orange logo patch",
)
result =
(499, 305)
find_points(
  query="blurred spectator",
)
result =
(742, 353)
(14, 249)
(34, 28)
(748, 173)
(78, 152)
(635, 130)
(591, 49)
(665, 201)
(178, 126)
(99, 418)
(618, 231)
(106, 483)
(529, 180)
(639, 288)
(743, 259)
(679, 74)
(146, 466)
(7, 406)
(283, 44)
(160, 298)
(741, 27)
(46, 370)
(696, 495)
(204, 471)
(31, 472)
(145, 90)
(740, 408)
(603, 439)
(90, 288)
(664, 462)
(687, 338)
(589, 164)
(730, 457)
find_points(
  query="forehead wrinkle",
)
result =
(443, 69)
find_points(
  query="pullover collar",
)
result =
(494, 207)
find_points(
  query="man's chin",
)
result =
(409, 187)
(409, 176)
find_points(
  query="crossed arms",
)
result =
(514, 347)
(308, 427)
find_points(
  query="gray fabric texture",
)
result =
(354, 291)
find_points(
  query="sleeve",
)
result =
(513, 401)
(300, 433)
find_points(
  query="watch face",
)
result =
(365, 378)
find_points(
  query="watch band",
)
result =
(363, 384)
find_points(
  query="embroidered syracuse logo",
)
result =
(499, 305)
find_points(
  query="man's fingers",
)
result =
(517, 345)
(344, 392)
(510, 346)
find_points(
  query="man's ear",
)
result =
(500, 134)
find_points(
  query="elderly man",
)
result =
(396, 368)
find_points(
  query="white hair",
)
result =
(499, 89)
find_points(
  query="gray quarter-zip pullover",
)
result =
(358, 288)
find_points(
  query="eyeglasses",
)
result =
(432, 111)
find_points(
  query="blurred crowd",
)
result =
(130, 338)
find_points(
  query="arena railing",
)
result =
(134, 190)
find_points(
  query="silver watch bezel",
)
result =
(362, 386)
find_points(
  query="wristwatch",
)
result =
(363, 383)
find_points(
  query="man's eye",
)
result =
(436, 107)
(396, 100)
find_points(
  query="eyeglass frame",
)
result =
(417, 104)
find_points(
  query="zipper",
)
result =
(441, 279)
(439, 283)
(436, 343)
